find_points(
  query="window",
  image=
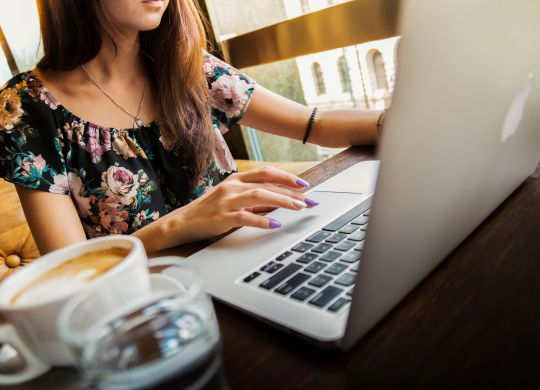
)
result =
(19, 21)
(344, 75)
(318, 79)
(5, 72)
(378, 71)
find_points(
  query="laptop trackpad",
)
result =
(295, 224)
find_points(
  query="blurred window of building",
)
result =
(378, 70)
(344, 76)
(318, 79)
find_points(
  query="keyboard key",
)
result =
(314, 267)
(336, 237)
(348, 229)
(303, 293)
(346, 279)
(335, 268)
(319, 236)
(360, 246)
(307, 258)
(322, 247)
(325, 296)
(338, 223)
(283, 256)
(338, 304)
(351, 257)
(349, 293)
(345, 245)
(330, 256)
(249, 278)
(357, 236)
(366, 213)
(274, 280)
(364, 228)
(354, 268)
(271, 267)
(320, 280)
(302, 247)
(292, 283)
(361, 220)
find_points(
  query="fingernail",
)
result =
(311, 202)
(299, 204)
(274, 224)
(302, 182)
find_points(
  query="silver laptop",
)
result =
(463, 132)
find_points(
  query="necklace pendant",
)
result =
(138, 122)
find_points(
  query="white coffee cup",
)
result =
(31, 328)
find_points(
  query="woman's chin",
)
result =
(148, 24)
(150, 27)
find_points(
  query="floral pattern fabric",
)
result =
(119, 179)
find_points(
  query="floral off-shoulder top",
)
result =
(119, 179)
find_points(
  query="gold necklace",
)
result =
(138, 122)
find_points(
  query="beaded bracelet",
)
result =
(310, 124)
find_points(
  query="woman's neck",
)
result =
(118, 60)
(119, 70)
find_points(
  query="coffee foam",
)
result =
(69, 276)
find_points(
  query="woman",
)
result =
(119, 129)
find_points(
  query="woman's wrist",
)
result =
(342, 128)
(160, 234)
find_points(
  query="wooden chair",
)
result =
(17, 246)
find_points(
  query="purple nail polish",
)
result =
(311, 202)
(302, 182)
(274, 224)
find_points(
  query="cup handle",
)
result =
(31, 367)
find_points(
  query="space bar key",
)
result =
(280, 276)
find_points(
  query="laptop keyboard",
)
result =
(321, 269)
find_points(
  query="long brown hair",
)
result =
(73, 30)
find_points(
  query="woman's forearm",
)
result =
(275, 114)
(341, 128)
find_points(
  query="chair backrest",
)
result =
(17, 246)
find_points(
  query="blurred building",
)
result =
(359, 76)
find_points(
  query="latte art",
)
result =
(69, 276)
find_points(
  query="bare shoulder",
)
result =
(63, 85)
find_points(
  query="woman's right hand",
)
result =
(234, 203)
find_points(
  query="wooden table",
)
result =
(475, 320)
